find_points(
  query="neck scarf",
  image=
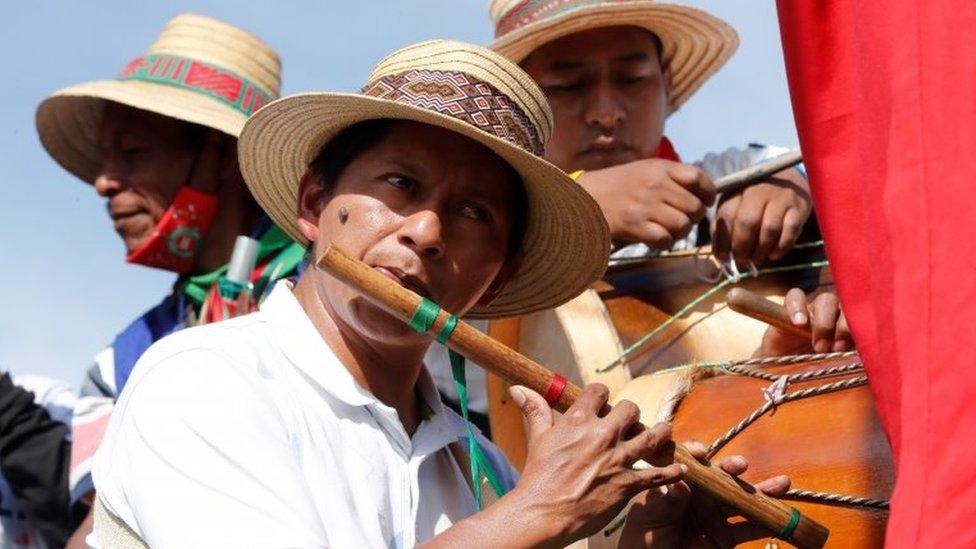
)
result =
(278, 257)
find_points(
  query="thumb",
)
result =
(535, 410)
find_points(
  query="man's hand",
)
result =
(822, 313)
(674, 517)
(578, 472)
(654, 201)
(761, 222)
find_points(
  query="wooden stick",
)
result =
(743, 178)
(518, 369)
(756, 306)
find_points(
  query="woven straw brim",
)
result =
(696, 44)
(567, 242)
(68, 121)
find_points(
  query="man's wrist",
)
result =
(527, 520)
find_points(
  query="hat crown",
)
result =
(467, 82)
(510, 15)
(222, 46)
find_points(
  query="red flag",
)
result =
(884, 95)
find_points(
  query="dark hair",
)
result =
(353, 141)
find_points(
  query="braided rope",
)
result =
(842, 499)
(816, 374)
(787, 397)
(789, 359)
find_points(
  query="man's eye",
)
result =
(399, 181)
(634, 79)
(474, 211)
(133, 152)
(564, 87)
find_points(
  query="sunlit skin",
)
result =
(609, 94)
(148, 157)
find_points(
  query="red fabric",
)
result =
(665, 150)
(884, 95)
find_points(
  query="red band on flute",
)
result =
(555, 390)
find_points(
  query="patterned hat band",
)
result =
(197, 76)
(460, 96)
(531, 11)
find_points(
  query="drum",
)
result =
(814, 421)
(650, 315)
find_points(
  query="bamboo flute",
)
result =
(518, 369)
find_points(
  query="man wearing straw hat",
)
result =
(160, 144)
(613, 72)
(327, 430)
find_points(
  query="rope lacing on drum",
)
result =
(719, 286)
(776, 394)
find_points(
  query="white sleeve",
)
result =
(197, 455)
(732, 159)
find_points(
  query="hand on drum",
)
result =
(673, 517)
(578, 474)
(654, 201)
(761, 222)
(822, 314)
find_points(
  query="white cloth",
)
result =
(251, 433)
(58, 398)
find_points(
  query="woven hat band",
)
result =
(201, 77)
(464, 97)
(530, 11)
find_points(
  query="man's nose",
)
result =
(108, 181)
(422, 231)
(603, 109)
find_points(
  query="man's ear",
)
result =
(506, 273)
(668, 79)
(311, 201)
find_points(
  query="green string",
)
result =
(787, 532)
(637, 345)
(423, 320)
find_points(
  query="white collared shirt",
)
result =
(251, 433)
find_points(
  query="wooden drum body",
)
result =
(830, 442)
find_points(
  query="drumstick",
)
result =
(756, 306)
(743, 178)
(520, 370)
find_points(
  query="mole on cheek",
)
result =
(343, 214)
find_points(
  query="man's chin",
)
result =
(598, 160)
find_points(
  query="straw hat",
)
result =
(696, 44)
(476, 93)
(199, 70)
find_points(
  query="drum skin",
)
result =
(828, 443)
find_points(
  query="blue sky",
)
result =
(66, 288)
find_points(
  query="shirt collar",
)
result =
(302, 343)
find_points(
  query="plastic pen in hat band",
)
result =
(242, 262)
